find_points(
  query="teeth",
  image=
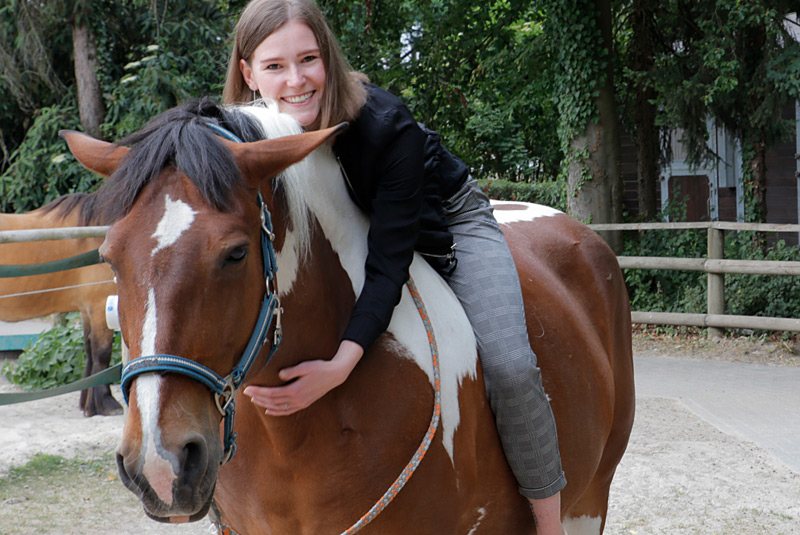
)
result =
(300, 98)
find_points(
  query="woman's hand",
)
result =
(313, 379)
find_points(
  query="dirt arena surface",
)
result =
(680, 475)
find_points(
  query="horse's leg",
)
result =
(588, 516)
(98, 341)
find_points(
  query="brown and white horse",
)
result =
(84, 289)
(187, 255)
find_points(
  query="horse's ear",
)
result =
(267, 158)
(99, 156)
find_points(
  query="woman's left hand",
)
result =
(313, 379)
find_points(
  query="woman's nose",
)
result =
(296, 78)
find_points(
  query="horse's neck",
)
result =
(335, 220)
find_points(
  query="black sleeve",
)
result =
(394, 227)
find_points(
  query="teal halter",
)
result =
(224, 388)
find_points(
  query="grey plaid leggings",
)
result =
(487, 284)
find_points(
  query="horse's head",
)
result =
(186, 249)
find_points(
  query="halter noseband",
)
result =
(224, 388)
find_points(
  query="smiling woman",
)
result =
(287, 67)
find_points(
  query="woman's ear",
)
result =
(247, 74)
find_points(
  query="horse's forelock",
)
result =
(182, 138)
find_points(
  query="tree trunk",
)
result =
(90, 96)
(758, 175)
(596, 195)
(644, 111)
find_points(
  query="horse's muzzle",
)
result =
(173, 486)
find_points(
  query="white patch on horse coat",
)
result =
(583, 525)
(481, 515)
(521, 211)
(458, 357)
(156, 469)
(317, 180)
(178, 217)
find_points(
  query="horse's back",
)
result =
(33, 303)
(579, 326)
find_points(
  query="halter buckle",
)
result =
(266, 224)
(224, 399)
(278, 334)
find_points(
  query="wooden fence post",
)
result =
(716, 281)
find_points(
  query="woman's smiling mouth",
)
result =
(299, 99)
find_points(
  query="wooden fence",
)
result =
(716, 267)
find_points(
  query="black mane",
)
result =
(89, 214)
(180, 137)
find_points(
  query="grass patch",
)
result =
(50, 493)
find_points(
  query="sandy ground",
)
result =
(680, 474)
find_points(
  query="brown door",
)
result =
(694, 192)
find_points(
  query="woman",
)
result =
(418, 198)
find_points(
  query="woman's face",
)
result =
(287, 67)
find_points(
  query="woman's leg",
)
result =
(487, 284)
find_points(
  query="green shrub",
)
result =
(663, 290)
(761, 295)
(549, 193)
(686, 291)
(55, 358)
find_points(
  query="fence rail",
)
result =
(716, 266)
(46, 234)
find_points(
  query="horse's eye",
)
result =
(104, 260)
(236, 255)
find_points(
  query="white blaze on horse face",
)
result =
(178, 217)
(150, 326)
(157, 467)
(512, 212)
(158, 463)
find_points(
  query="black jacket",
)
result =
(397, 173)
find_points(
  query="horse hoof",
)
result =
(106, 406)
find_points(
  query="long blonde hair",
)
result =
(344, 93)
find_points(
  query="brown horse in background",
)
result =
(84, 289)
(188, 258)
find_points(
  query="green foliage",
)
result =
(40, 170)
(546, 193)
(728, 60)
(477, 72)
(686, 291)
(179, 56)
(55, 358)
(761, 295)
(154, 54)
(662, 290)
(581, 59)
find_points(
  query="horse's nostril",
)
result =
(195, 461)
(125, 477)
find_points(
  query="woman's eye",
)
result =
(236, 255)
(309, 58)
